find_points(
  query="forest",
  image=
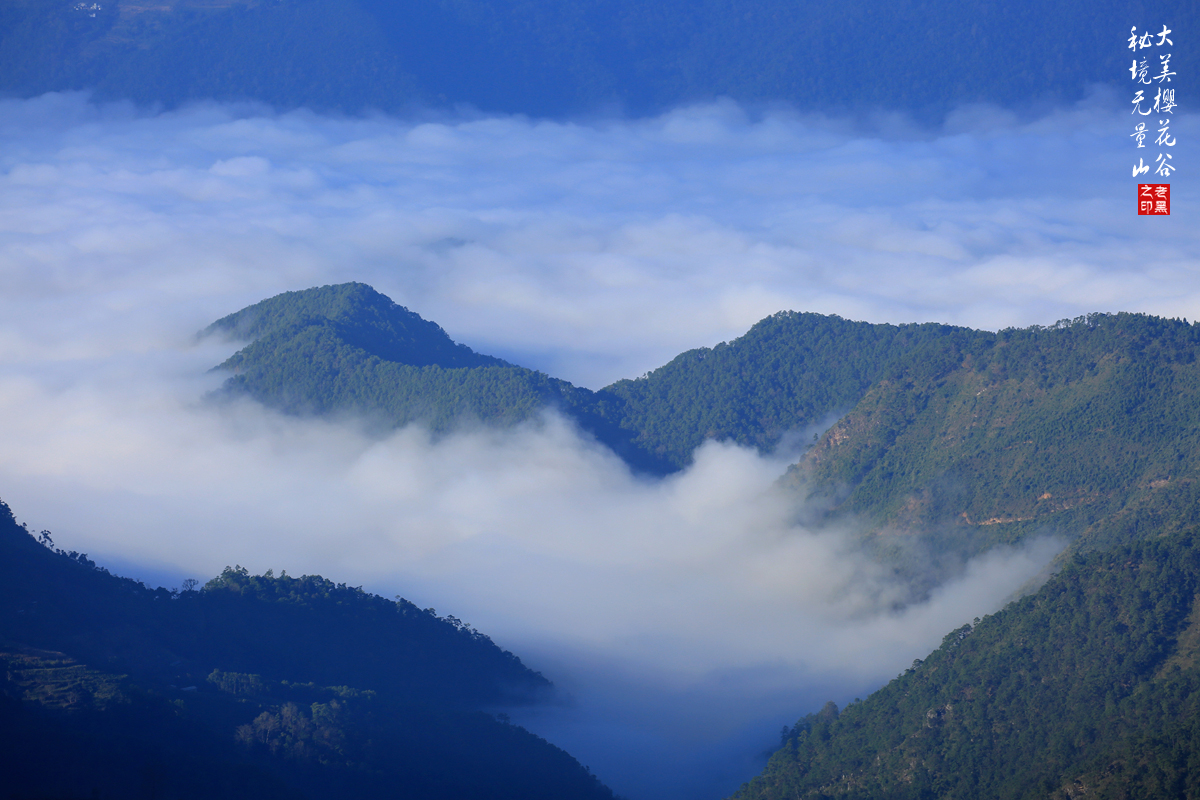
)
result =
(966, 438)
(252, 686)
(1088, 688)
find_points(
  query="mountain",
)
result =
(960, 439)
(352, 312)
(553, 58)
(1089, 429)
(1090, 688)
(349, 349)
(252, 686)
(789, 372)
(944, 441)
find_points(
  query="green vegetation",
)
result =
(1089, 429)
(1088, 688)
(252, 687)
(313, 368)
(348, 349)
(355, 314)
(788, 372)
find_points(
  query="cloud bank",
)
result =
(685, 618)
(683, 614)
(594, 251)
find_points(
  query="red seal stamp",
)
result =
(1154, 198)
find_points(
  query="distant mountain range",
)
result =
(554, 58)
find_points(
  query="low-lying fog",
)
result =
(687, 618)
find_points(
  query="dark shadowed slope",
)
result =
(252, 686)
(1090, 688)
(548, 57)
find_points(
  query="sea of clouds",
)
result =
(685, 618)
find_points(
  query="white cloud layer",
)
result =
(678, 612)
(681, 612)
(592, 251)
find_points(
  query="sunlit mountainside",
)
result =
(554, 58)
(1088, 426)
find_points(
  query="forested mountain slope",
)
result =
(1090, 688)
(252, 686)
(788, 372)
(347, 349)
(355, 313)
(1088, 429)
(548, 57)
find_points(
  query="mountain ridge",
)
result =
(252, 686)
(948, 441)
(348, 349)
(360, 315)
(551, 59)
(335, 348)
(1088, 426)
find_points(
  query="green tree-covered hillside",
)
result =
(1089, 429)
(1090, 688)
(356, 314)
(348, 349)
(788, 372)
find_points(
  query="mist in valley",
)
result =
(683, 619)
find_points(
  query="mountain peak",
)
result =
(335, 302)
(361, 316)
